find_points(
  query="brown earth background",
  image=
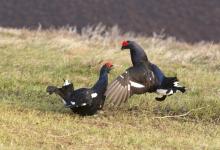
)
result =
(187, 20)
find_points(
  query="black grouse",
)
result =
(142, 77)
(84, 101)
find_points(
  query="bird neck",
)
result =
(103, 76)
(103, 73)
(138, 56)
(102, 81)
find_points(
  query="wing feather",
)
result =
(111, 88)
(114, 94)
(119, 90)
(118, 95)
(122, 97)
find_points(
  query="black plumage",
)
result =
(84, 101)
(142, 77)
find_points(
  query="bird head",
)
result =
(125, 45)
(107, 66)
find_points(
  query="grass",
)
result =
(31, 119)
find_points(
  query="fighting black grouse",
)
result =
(142, 77)
(84, 101)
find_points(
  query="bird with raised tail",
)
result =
(142, 77)
(84, 101)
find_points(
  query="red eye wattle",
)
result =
(124, 43)
(109, 64)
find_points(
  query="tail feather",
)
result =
(169, 86)
(169, 82)
(181, 89)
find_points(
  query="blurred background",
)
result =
(186, 20)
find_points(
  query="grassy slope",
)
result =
(29, 118)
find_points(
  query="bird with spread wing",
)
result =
(140, 78)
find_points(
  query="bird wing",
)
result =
(81, 97)
(119, 90)
(133, 81)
